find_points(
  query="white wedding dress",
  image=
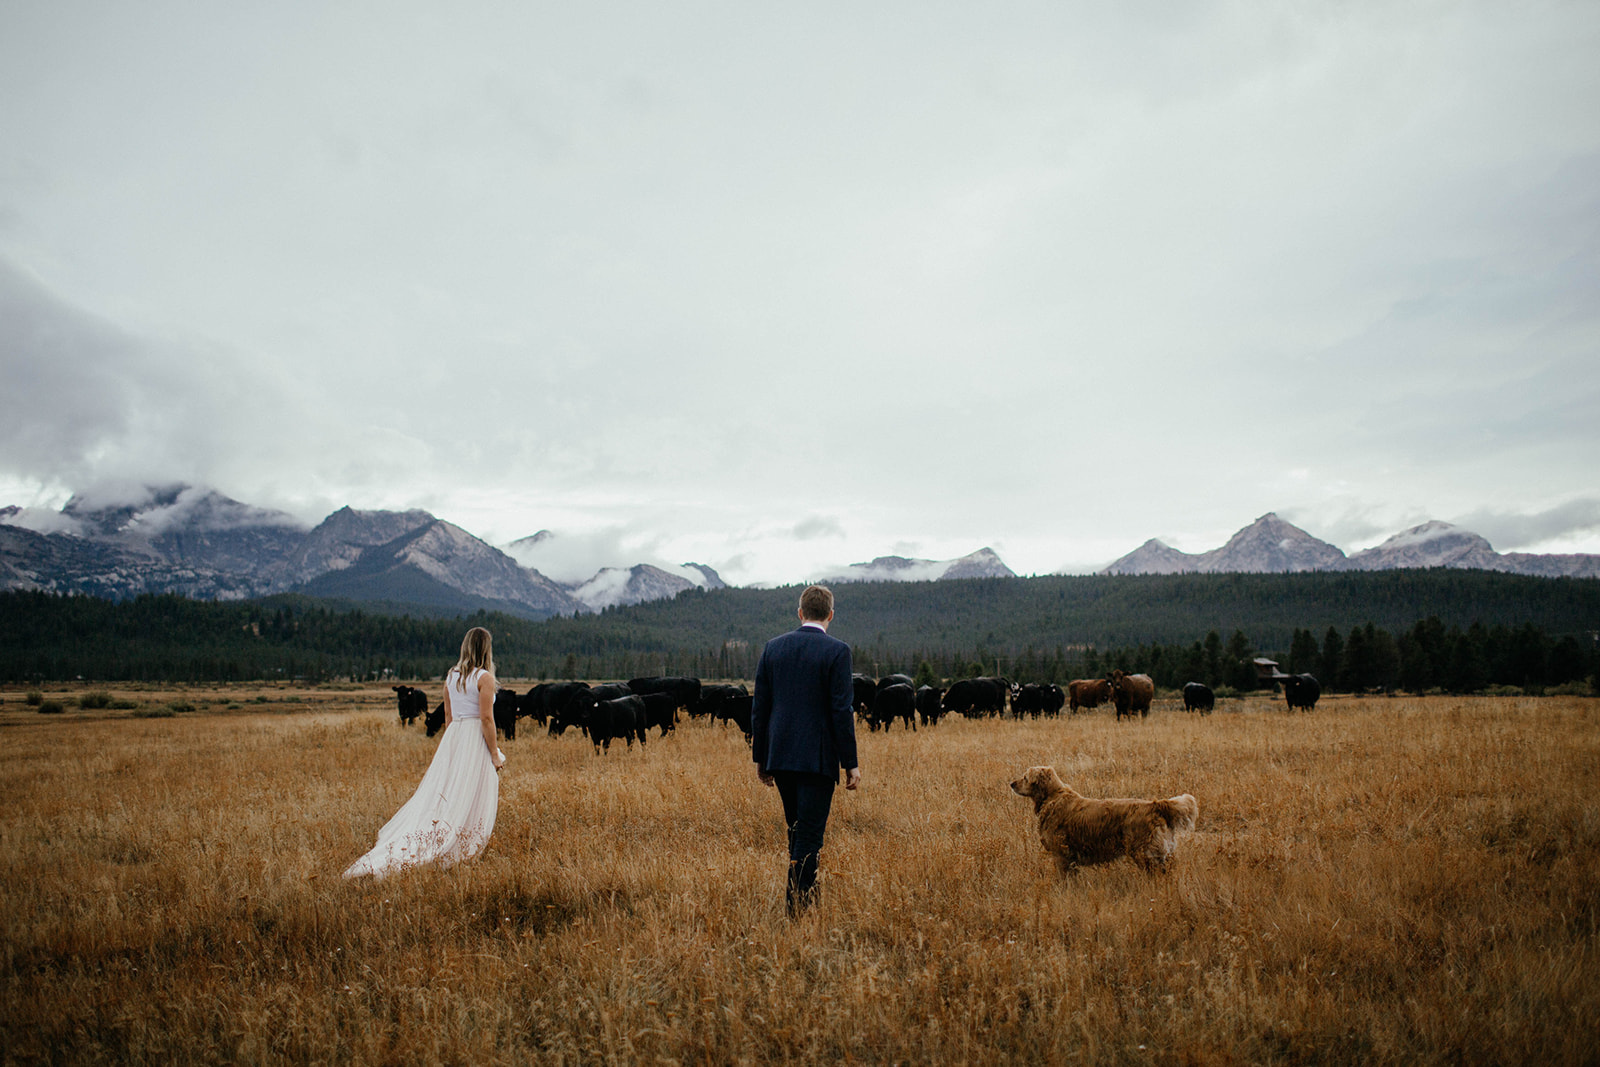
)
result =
(451, 815)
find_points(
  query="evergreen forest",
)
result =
(1456, 630)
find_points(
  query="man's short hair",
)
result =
(816, 603)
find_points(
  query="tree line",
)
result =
(1450, 629)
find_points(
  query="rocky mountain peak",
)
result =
(984, 563)
(614, 586)
(338, 541)
(1432, 544)
(712, 580)
(1154, 557)
(1271, 545)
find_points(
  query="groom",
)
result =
(803, 727)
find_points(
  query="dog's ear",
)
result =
(1032, 781)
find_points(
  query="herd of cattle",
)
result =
(626, 711)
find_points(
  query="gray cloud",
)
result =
(815, 526)
(1059, 276)
(1512, 531)
(68, 378)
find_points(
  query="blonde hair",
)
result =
(477, 650)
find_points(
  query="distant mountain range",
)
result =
(1271, 545)
(202, 544)
(199, 543)
(983, 563)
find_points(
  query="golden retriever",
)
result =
(1078, 830)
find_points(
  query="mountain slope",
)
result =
(1155, 557)
(424, 562)
(713, 580)
(63, 563)
(340, 539)
(1267, 546)
(614, 585)
(1271, 546)
(1433, 544)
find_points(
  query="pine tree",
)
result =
(1193, 668)
(1385, 660)
(1213, 659)
(1303, 655)
(1332, 658)
(1240, 662)
(1566, 661)
(1468, 669)
(1355, 673)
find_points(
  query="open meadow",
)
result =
(1382, 881)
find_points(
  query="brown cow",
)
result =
(1131, 693)
(1088, 693)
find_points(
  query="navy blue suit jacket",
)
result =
(802, 717)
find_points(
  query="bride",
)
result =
(451, 815)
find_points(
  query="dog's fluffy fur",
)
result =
(1077, 830)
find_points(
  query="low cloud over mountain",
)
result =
(983, 563)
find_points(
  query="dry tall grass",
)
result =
(1382, 881)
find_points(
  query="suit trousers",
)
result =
(807, 800)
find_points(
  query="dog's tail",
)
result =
(1180, 812)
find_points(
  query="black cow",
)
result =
(543, 701)
(1027, 700)
(659, 710)
(895, 679)
(507, 706)
(435, 720)
(928, 704)
(1198, 697)
(976, 696)
(563, 706)
(712, 698)
(611, 690)
(533, 705)
(1301, 691)
(865, 692)
(1054, 700)
(608, 720)
(413, 703)
(897, 701)
(685, 691)
(736, 709)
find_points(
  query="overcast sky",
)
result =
(781, 287)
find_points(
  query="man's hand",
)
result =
(766, 779)
(852, 777)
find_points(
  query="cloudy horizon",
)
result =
(781, 291)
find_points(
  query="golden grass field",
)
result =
(1382, 881)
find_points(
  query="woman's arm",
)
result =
(448, 717)
(486, 688)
